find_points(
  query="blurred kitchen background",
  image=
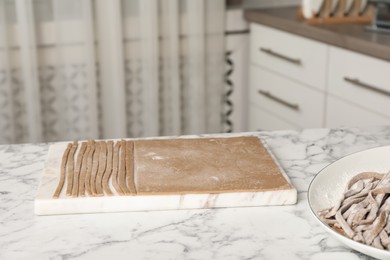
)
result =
(80, 69)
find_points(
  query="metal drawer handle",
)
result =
(358, 83)
(279, 100)
(281, 56)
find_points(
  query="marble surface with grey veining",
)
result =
(273, 232)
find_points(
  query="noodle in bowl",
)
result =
(328, 187)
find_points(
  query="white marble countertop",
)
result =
(273, 232)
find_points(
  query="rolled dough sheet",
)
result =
(205, 165)
(182, 173)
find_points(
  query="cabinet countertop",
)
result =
(273, 232)
(353, 37)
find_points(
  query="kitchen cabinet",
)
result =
(297, 82)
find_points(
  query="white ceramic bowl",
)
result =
(328, 186)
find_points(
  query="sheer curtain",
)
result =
(79, 69)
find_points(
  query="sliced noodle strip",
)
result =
(364, 175)
(115, 167)
(122, 169)
(71, 169)
(108, 171)
(95, 166)
(76, 178)
(89, 168)
(61, 182)
(130, 167)
(102, 168)
(83, 170)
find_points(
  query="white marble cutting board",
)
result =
(46, 205)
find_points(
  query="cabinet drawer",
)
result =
(294, 56)
(340, 113)
(261, 120)
(295, 103)
(360, 79)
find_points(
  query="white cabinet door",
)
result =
(296, 57)
(262, 120)
(360, 79)
(295, 103)
(341, 113)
